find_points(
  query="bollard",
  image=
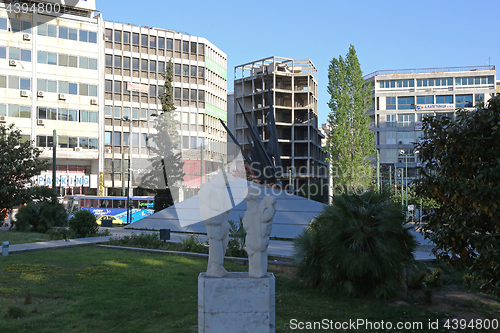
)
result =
(5, 249)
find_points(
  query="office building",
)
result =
(294, 89)
(73, 72)
(401, 98)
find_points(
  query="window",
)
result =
(194, 94)
(406, 120)
(161, 67)
(126, 62)
(126, 139)
(435, 82)
(107, 35)
(62, 115)
(107, 85)
(463, 101)
(185, 46)
(126, 112)
(161, 42)
(406, 103)
(117, 112)
(73, 88)
(144, 65)
(193, 47)
(135, 64)
(118, 36)
(72, 115)
(3, 52)
(390, 120)
(406, 138)
(170, 44)
(14, 53)
(144, 114)
(13, 82)
(462, 81)
(25, 55)
(108, 60)
(185, 142)
(25, 84)
(135, 139)
(152, 66)
(93, 38)
(73, 34)
(108, 110)
(185, 94)
(193, 142)
(444, 99)
(425, 99)
(390, 103)
(92, 63)
(144, 40)
(84, 89)
(126, 37)
(135, 39)
(135, 113)
(84, 36)
(3, 23)
(177, 69)
(185, 70)
(152, 41)
(420, 116)
(391, 155)
(118, 87)
(93, 143)
(201, 96)
(83, 63)
(118, 139)
(201, 72)
(51, 86)
(51, 114)
(144, 140)
(107, 138)
(52, 58)
(118, 61)
(479, 98)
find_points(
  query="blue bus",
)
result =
(140, 207)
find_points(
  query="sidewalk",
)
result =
(277, 248)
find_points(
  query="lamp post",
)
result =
(129, 163)
(402, 152)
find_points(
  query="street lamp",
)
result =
(129, 164)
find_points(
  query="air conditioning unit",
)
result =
(40, 94)
(26, 36)
(77, 149)
(401, 160)
(3, 119)
(62, 97)
(24, 93)
(400, 142)
(41, 122)
(12, 62)
(93, 101)
(259, 106)
(259, 121)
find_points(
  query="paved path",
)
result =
(277, 248)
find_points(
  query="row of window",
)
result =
(15, 82)
(17, 111)
(63, 87)
(131, 113)
(81, 116)
(50, 30)
(47, 141)
(15, 53)
(66, 60)
(437, 82)
(152, 66)
(408, 102)
(467, 81)
(137, 39)
(408, 119)
(193, 95)
(123, 138)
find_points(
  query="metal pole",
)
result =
(54, 163)
(390, 178)
(378, 171)
(123, 174)
(129, 165)
(401, 173)
(201, 164)
(406, 183)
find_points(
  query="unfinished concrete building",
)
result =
(294, 89)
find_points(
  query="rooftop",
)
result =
(430, 70)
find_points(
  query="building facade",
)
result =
(96, 84)
(294, 87)
(401, 99)
(50, 80)
(135, 57)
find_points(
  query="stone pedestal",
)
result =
(236, 303)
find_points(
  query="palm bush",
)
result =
(357, 246)
(40, 216)
(83, 223)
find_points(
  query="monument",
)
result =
(236, 302)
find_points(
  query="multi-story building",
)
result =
(401, 98)
(135, 57)
(50, 80)
(72, 72)
(294, 88)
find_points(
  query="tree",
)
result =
(357, 246)
(461, 172)
(350, 141)
(19, 163)
(166, 170)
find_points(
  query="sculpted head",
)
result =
(252, 193)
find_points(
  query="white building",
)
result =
(50, 79)
(72, 72)
(401, 98)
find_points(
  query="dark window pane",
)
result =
(84, 35)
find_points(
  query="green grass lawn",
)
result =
(92, 289)
(18, 237)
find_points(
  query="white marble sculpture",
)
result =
(257, 222)
(215, 204)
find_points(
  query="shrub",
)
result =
(15, 312)
(357, 246)
(60, 233)
(237, 234)
(83, 223)
(192, 244)
(40, 216)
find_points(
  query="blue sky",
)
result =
(386, 34)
